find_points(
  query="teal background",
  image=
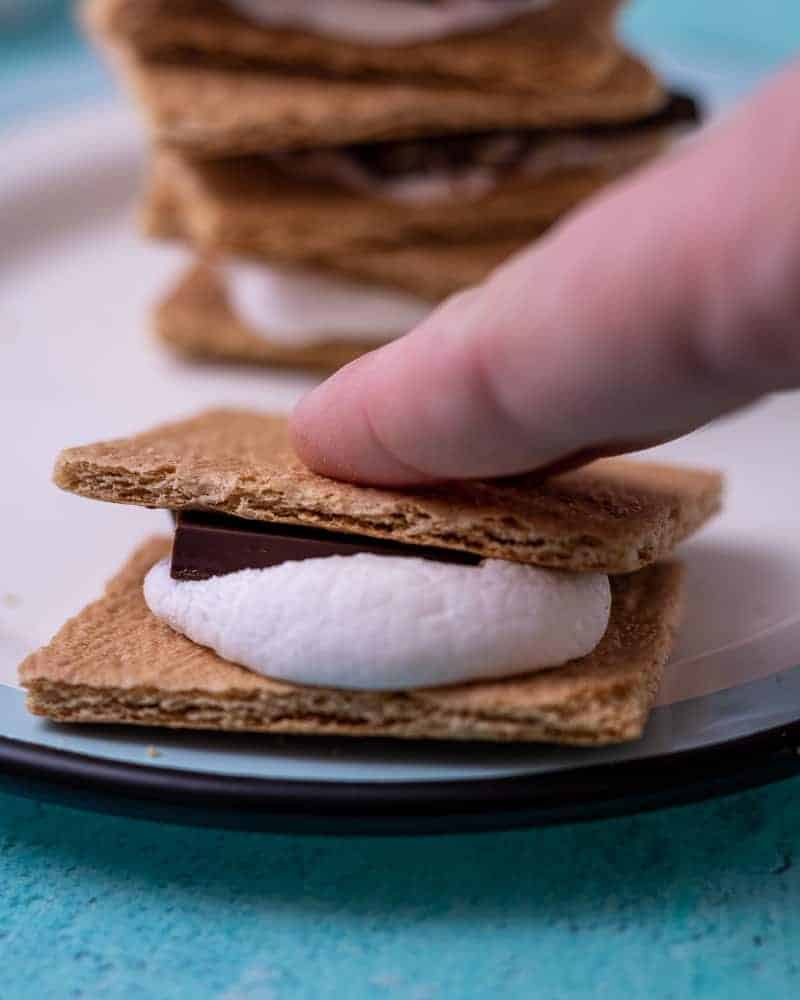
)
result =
(702, 901)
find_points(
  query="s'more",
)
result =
(339, 168)
(522, 609)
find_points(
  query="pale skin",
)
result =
(670, 299)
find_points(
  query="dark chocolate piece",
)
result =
(209, 545)
(503, 148)
(500, 150)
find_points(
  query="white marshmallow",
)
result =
(388, 22)
(387, 622)
(298, 307)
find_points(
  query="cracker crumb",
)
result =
(153, 752)
(11, 600)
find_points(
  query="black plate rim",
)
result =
(202, 798)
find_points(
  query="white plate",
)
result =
(76, 364)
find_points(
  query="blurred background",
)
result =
(45, 64)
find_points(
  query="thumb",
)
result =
(668, 300)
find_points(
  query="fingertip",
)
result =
(332, 434)
(310, 431)
(304, 437)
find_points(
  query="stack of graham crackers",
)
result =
(339, 166)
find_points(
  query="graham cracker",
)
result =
(567, 47)
(197, 321)
(430, 270)
(116, 663)
(247, 206)
(613, 516)
(216, 112)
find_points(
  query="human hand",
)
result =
(671, 298)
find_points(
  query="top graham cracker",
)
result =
(613, 516)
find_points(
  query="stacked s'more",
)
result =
(519, 609)
(339, 167)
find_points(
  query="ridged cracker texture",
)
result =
(247, 206)
(217, 112)
(567, 47)
(614, 516)
(432, 270)
(116, 663)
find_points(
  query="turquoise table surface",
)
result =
(701, 901)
